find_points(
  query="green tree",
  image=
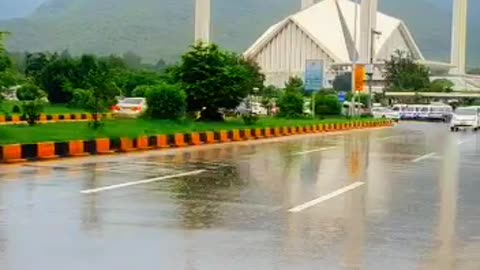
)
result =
(35, 63)
(214, 79)
(291, 104)
(441, 85)
(327, 105)
(402, 73)
(268, 95)
(294, 84)
(5, 62)
(133, 79)
(59, 78)
(104, 90)
(33, 102)
(166, 101)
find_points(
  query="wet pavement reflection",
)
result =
(401, 198)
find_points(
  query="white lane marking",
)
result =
(327, 197)
(427, 156)
(313, 151)
(462, 142)
(386, 138)
(141, 182)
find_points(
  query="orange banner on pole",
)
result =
(360, 77)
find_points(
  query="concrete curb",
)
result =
(17, 153)
(53, 118)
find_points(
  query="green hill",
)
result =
(164, 28)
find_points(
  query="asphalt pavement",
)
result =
(399, 198)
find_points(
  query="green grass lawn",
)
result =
(60, 132)
(6, 107)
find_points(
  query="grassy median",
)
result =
(60, 132)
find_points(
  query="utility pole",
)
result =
(371, 67)
(202, 20)
(355, 59)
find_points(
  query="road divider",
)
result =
(103, 146)
(51, 118)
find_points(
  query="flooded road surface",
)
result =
(402, 198)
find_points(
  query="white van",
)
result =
(435, 112)
(466, 117)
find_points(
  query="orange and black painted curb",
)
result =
(15, 153)
(53, 118)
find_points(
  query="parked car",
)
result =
(466, 117)
(255, 108)
(130, 107)
(382, 112)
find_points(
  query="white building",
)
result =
(326, 31)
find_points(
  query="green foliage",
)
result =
(291, 104)
(250, 118)
(268, 96)
(16, 109)
(214, 79)
(327, 105)
(343, 82)
(166, 101)
(294, 84)
(402, 73)
(33, 102)
(140, 91)
(133, 79)
(81, 98)
(441, 85)
(5, 62)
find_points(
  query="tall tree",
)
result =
(402, 73)
(214, 79)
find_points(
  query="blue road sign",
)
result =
(314, 75)
(342, 97)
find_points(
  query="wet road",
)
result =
(401, 198)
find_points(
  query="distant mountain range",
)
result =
(164, 28)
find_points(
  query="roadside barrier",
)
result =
(53, 118)
(76, 148)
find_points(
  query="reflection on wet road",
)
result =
(402, 198)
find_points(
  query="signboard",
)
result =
(342, 97)
(314, 75)
(360, 77)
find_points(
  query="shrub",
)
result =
(291, 105)
(327, 105)
(140, 91)
(81, 98)
(166, 101)
(250, 118)
(33, 100)
(16, 109)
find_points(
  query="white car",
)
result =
(255, 108)
(466, 117)
(382, 112)
(130, 107)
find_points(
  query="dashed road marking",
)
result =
(326, 197)
(313, 151)
(141, 182)
(427, 156)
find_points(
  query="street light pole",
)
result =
(355, 59)
(371, 68)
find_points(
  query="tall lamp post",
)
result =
(371, 67)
